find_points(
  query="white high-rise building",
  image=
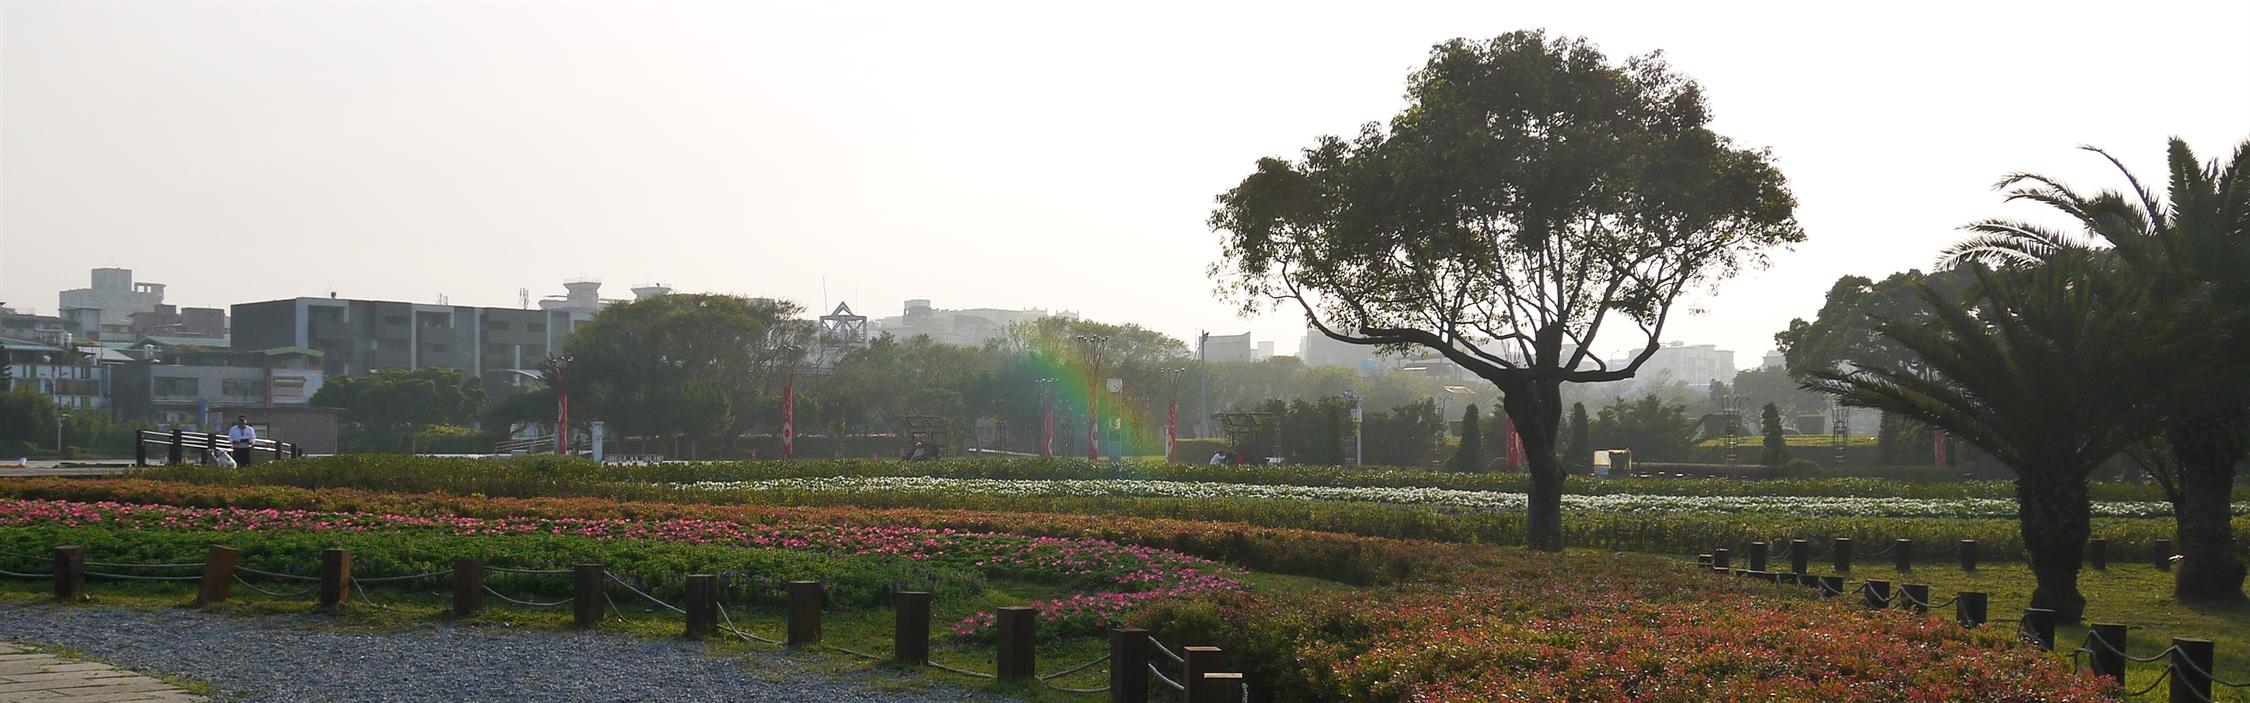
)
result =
(114, 295)
(967, 328)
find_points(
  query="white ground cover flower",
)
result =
(1487, 500)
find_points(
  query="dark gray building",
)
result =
(498, 345)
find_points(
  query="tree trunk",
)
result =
(2206, 453)
(1536, 408)
(2055, 516)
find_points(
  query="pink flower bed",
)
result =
(1122, 575)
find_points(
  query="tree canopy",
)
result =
(394, 400)
(681, 364)
(1531, 197)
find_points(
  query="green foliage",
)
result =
(389, 406)
(755, 575)
(1578, 452)
(1846, 329)
(1777, 447)
(1407, 435)
(681, 364)
(27, 417)
(1991, 377)
(1470, 455)
(2191, 253)
(1653, 429)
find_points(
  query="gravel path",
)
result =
(302, 658)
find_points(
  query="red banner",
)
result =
(789, 422)
(562, 423)
(1515, 447)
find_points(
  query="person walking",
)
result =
(242, 436)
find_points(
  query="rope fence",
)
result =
(2187, 663)
(1132, 662)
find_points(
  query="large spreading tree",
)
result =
(686, 365)
(1531, 198)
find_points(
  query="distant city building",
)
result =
(968, 328)
(1319, 349)
(1229, 347)
(1696, 365)
(502, 346)
(44, 329)
(69, 376)
(1265, 351)
(168, 321)
(1774, 360)
(113, 298)
(181, 381)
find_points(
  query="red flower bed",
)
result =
(1587, 627)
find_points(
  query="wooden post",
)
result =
(70, 572)
(1800, 552)
(1968, 555)
(2041, 623)
(1877, 594)
(1219, 687)
(1017, 625)
(335, 577)
(702, 605)
(1916, 596)
(172, 453)
(468, 587)
(2191, 669)
(2097, 553)
(586, 594)
(1831, 586)
(2164, 555)
(1722, 557)
(1902, 555)
(910, 636)
(218, 575)
(1703, 560)
(140, 447)
(1841, 551)
(1757, 556)
(804, 612)
(1968, 608)
(1198, 661)
(1128, 665)
(2108, 657)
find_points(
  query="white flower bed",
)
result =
(1488, 500)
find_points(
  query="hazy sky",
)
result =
(1058, 155)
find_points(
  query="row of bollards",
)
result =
(1902, 555)
(1016, 626)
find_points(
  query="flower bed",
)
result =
(1586, 627)
(1442, 497)
(1119, 575)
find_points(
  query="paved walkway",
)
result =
(32, 676)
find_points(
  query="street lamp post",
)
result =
(1359, 432)
(562, 404)
(790, 353)
(1203, 361)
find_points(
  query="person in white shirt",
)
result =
(242, 436)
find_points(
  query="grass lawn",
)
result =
(861, 630)
(2136, 595)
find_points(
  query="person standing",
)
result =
(242, 436)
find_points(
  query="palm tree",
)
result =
(2193, 250)
(2029, 370)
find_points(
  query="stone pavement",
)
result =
(32, 676)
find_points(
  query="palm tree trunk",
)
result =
(2056, 518)
(2206, 453)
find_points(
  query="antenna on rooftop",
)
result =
(523, 298)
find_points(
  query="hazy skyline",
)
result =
(1007, 156)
